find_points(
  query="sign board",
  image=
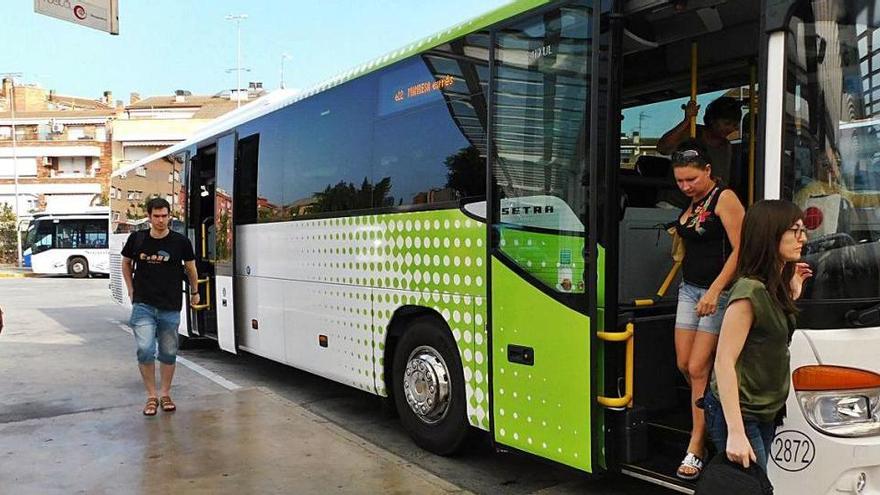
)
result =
(102, 15)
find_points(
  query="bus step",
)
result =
(659, 470)
(672, 427)
(668, 436)
(197, 342)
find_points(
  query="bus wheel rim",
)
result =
(426, 384)
(77, 267)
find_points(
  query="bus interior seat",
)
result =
(654, 166)
(645, 260)
(631, 194)
(639, 192)
(645, 257)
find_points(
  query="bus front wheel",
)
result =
(429, 387)
(78, 267)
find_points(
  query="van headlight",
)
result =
(839, 401)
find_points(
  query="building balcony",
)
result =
(25, 138)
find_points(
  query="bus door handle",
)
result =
(207, 304)
(624, 336)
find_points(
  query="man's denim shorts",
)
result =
(686, 315)
(154, 328)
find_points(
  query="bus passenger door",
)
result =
(225, 242)
(540, 341)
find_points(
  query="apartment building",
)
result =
(62, 152)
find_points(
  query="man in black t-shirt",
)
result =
(153, 266)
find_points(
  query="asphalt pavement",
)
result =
(70, 419)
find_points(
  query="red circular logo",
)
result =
(80, 12)
(813, 218)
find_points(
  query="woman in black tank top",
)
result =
(710, 228)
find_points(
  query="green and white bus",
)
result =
(468, 226)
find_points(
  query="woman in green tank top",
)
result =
(752, 376)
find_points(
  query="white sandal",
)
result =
(693, 462)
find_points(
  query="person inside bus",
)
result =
(751, 379)
(709, 227)
(722, 119)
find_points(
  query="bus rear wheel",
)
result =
(78, 267)
(428, 386)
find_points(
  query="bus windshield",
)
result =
(40, 236)
(831, 153)
(75, 233)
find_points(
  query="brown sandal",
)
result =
(151, 407)
(167, 404)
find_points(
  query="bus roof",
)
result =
(92, 211)
(282, 98)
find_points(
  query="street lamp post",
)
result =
(237, 18)
(284, 56)
(11, 98)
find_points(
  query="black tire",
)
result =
(447, 434)
(78, 267)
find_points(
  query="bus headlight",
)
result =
(845, 413)
(839, 401)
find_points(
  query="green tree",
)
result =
(467, 172)
(8, 244)
(344, 196)
(223, 252)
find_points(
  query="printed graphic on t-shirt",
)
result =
(160, 257)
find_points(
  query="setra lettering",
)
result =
(526, 210)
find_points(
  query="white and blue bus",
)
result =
(72, 243)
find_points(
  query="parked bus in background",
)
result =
(72, 243)
(468, 226)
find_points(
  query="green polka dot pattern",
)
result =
(434, 259)
(542, 408)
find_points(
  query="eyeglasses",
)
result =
(799, 231)
(687, 156)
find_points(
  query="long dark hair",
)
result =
(764, 225)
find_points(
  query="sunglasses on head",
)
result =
(688, 156)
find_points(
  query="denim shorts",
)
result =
(154, 328)
(686, 314)
(760, 434)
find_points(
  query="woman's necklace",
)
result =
(701, 211)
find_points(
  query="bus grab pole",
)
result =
(693, 132)
(694, 87)
(753, 107)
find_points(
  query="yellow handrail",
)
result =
(207, 303)
(670, 277)
(694, 87)
(625, 336)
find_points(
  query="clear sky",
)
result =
(164, 45)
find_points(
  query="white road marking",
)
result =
(210, 375)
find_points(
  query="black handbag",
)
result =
(724, 477)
